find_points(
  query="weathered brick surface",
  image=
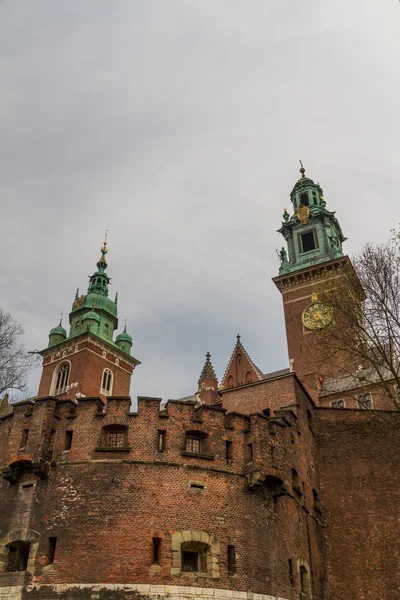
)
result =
(360, 494)
(105, 507)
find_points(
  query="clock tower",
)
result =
(313, 253)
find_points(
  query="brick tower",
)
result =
(314, 240)
(87, 362)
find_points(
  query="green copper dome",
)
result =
(124, 341)
(57, 334)
(124, 336)
(91, 316)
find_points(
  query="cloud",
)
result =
(178, 126)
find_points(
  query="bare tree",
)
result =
(362, 339)
(15, 362)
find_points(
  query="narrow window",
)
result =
(308, 241)
(304, 199)
(230, 382)
(291, 574)
(364, 401)
(231, 560)
(248, 377)
(296, 481)
(228, 450)
(106, 327)
(52, 438)
(156, 550)
(314, 198)
(249, 452)
(62, 378)
(18, 555)
(239, 359)
(162, 437)
(24, 439)
(68, 440)
(338, 404)
(51, 549)
(273, 456)
(317, 505)
(106, 384)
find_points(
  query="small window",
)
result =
(193, 444)
(77, 324)
(68, 440)
(52, 437)
(51, 549)
(106, 328)
(364, 401)
(338, 404)
(190, 561)
(162, 438)
(248, 377)
(231, 560)
(307, 241)
(296, 481)
(18, 555)
(230, 382)
(194, 561)
(291, 574)
(314, 198)
(106, 383)
(305, 583)
(239, 358)
(317, 505)
(62, 379)
(304, 199)
(249, 453)
(156, 550)
(24, 439)
(115, 438)
(228, 450)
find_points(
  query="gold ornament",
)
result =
(317, 316)
(303, 214)
(79, 301)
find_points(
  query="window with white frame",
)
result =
(364, 401)
(61, 378)
(338, 403)
(106, 382)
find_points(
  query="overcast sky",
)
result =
(178, 125)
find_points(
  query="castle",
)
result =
(269, 486)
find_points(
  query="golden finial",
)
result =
(314, 297)
(302, 169)
(104, 250)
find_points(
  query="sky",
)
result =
(178, 125)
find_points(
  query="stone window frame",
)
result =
(180, 537)
(20, 535)
(301, 562)
(54, 391)
(107, 377)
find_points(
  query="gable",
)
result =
(241, 369)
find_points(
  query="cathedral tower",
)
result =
(87, 361)
(314, 241)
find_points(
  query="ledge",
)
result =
(205, 455)
(113, 449)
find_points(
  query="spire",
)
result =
(302, 169)
(102, 260)
(99, 281)
(208, 370)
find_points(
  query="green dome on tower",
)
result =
(57, 334)
(124, 341)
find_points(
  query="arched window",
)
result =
(304, 199)
(61, 378)
(195, 552)
(230, 382)
(248, 377)
(106, 382)
(305, 583)
(239, 358)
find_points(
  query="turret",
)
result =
(124, 341)
(57, 334)
(208, 383)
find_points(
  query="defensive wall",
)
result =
(104, 521)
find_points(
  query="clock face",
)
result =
(317, 316)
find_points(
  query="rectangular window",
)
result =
(156, 550)
(115, 439)
(162, 438)
(231, 560)
(68, 440)
(249, 451)
(228, 450)
(338, 404)
(364, 401)
(24, 438)
(51, 549)
(193, 444)
(190, 561)
(307, 241)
